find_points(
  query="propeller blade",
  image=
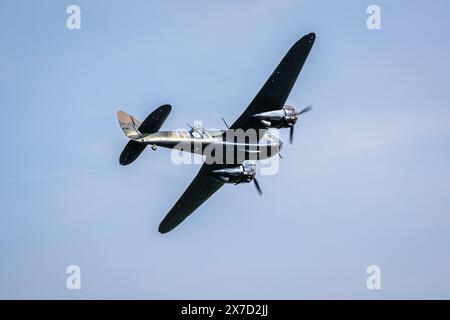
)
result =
(307, 109)
(291, 135)
(281, 157)
(258, 187)
(226, 124)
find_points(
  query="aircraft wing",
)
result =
(274, 93)
(200, 189)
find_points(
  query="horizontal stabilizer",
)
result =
(131, 152)
(155, 120)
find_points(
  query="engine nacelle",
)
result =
(286, 117)
(243, 173)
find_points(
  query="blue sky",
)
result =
(366, 182)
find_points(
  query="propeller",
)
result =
(307, 109)
(291, 132)
(258, 187)
(226, 124)
(291, 135)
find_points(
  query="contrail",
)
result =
(49, 176)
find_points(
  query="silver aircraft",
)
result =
(230, 154)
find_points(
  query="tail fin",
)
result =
(133, 129)
(129, 124)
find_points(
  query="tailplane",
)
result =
(133, 129)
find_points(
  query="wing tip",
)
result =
(163, 228)
(167, 224)
(305, 42)
(309, 38)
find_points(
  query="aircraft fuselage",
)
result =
(203, 142)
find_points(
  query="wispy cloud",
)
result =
(49, 176)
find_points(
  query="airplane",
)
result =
(229, 154)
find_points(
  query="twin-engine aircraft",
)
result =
(229, 154)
